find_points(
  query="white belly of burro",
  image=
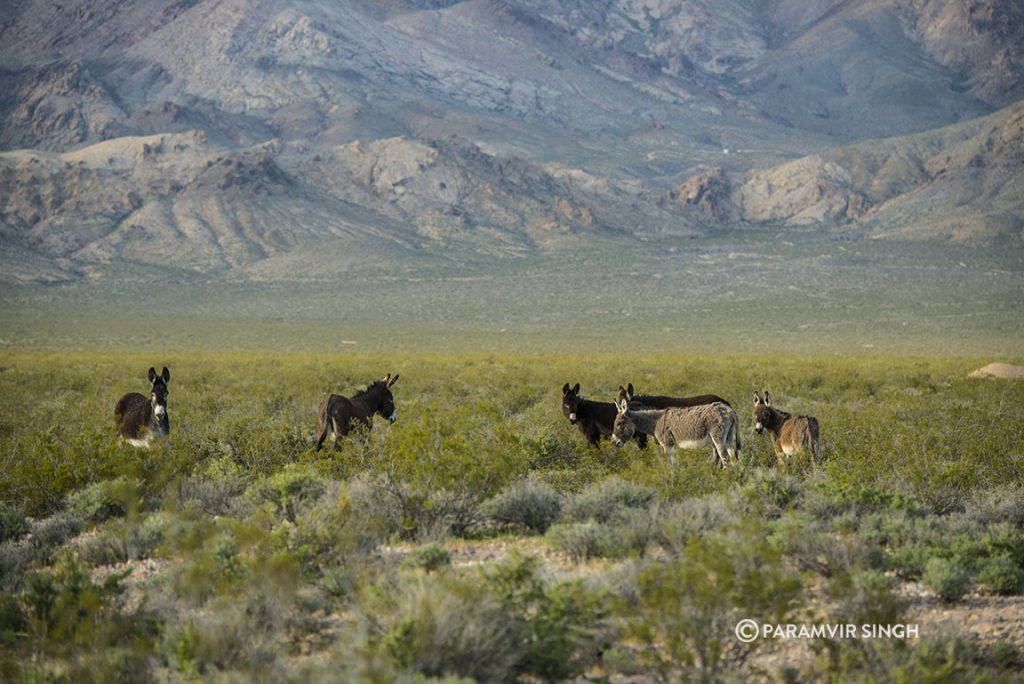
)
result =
(691, 443)
(789, 450)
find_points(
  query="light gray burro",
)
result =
(689, 427)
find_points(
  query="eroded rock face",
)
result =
(708, 193)
(808, 191)
(56, 107)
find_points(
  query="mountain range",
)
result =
(283, 139)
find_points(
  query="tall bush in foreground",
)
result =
(689, 607)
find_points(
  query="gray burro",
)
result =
(690, 427)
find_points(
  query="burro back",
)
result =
(690, 427)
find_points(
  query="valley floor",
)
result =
(479, 537)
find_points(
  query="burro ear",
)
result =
(393, 380)
(623, 405)
(576, 388)
(565, 388)
(629, 390)
(623, 397)
(386, 379)
(152, 374)
(767, 398)
(166, 375)
(757, 399)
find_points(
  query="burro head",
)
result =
(158, 393)
(571, 402)
(387, 404)
(625, 425)
(762, 411)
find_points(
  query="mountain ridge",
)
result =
(483, 129)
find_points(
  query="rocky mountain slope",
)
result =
(962, 182)
(220, 134)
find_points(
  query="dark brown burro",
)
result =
(659, 402)
(595, 419)
(790, 434)
(140, 419)
(337, 413)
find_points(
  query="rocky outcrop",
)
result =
(808, 191)
(708, 194)
(1003, 371)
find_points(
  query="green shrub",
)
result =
(104, 500)
(864, 597)
(565, 624)
(966, 550)
(676, 523)
(15, 560)
(579, 541)
(72, 614)
(1005, 655)
(291, 489)
(431, 514)
(1001, 504)
(889, 529)
(608, 499)
(947, 578)
(689, 606)
(438, 626)
(378, 512)
(13, 621)
(50, 534)
(234, 638)
(814, 547)
(771, 492)
(830, 499)
(527, 503)
(631, 534)
(428, 557)
(13, 524)
(119, 541)
(931, 659)
(935, 659)
(909, 561)
(333, 531)
(339, 582)
(1004, 538)
(215, 485)
(1001, 574)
